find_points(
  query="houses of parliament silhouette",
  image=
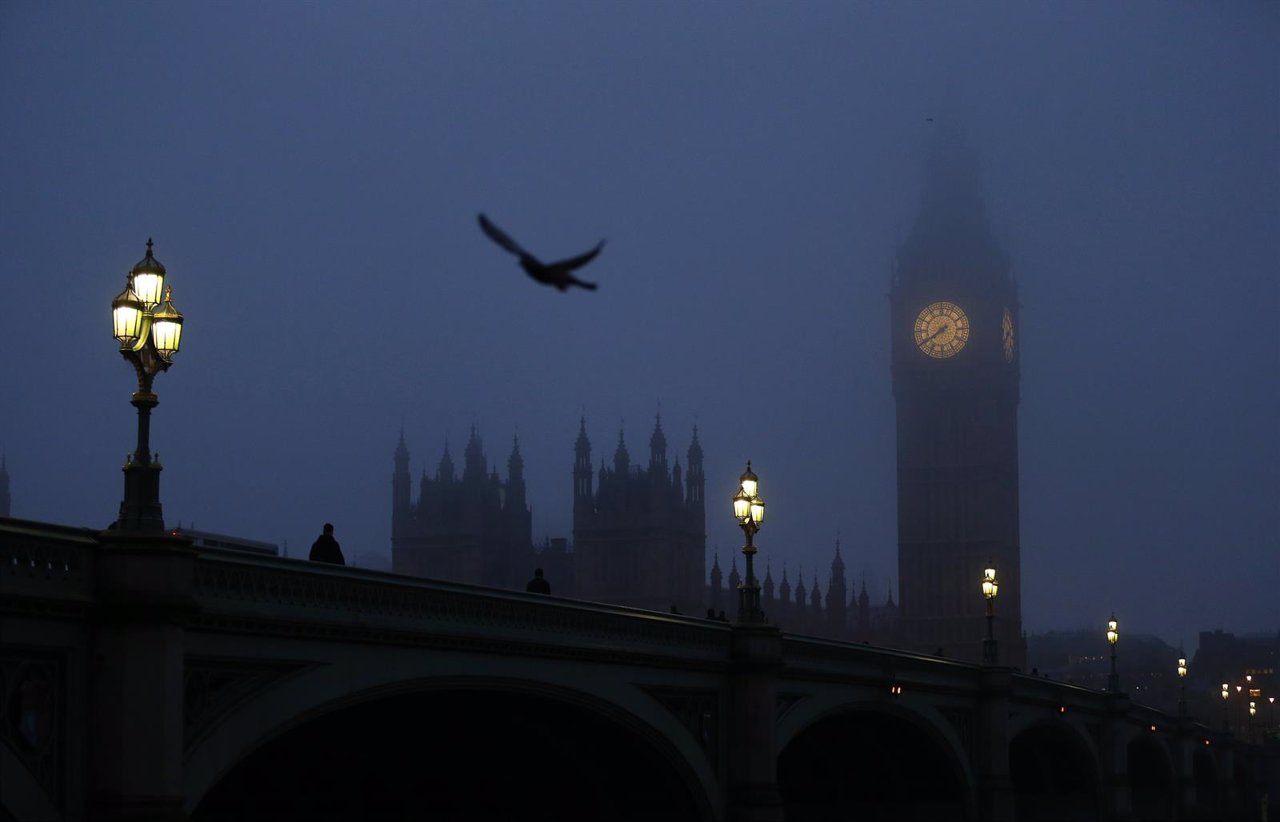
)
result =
(639, 532)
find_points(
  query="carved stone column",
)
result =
(752, 723)
(143, 583)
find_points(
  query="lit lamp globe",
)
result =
(1226, 691)
(989, 585)
(757, 511)
(1182, 666)
(147, 280)
(1253, 709)
(127, 312)
(166, 327)
(1113, 633)
(749, 482)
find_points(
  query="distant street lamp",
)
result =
(1226, 692)
(989, 590)
(1272, 701)
(1182, 682)
(149, 331)
(748, 510)
(1113, 636)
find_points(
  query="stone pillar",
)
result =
(143, 584)
(995, 793)
(1117, 796)
(752, 724)
(1184, 775)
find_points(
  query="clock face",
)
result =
(1006, 335)
(942, 329)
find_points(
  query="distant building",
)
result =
(474, 528)
(640, 534)
(638, 538)
(954, 317)
(208, 539)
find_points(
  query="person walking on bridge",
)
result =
(326, 548)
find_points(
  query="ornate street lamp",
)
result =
(989, 590)
(1182, 682)
(1113, 636)
(149, 331)
(748, 510)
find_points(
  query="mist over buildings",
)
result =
(311, 176)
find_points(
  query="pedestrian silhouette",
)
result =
(538, 585)
(326, 548)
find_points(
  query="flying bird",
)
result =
(558, 274)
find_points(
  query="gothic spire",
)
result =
(621, 459)
(444, 472)
(515, 463)
(658, 446)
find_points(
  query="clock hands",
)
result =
(941, 328)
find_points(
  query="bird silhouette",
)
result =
(558, 274)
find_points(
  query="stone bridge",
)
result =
(143, 678)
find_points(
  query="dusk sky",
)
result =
(311, 175)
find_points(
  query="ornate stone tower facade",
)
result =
(640, 534)
(954, 324)
(473, 529)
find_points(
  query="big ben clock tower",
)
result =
(954, 327)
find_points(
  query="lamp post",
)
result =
(1113, 636)
(149, 330)
(989, 590)
(1182, 682)
(748, 510)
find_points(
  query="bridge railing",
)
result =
(49, 564)
(236, 590)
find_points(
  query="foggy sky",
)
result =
(311, 175)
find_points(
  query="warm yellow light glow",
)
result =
(1225, 691)
(1182, 666)
(126, 314)
(757, 510)
(989, 585)
(166, 327)
(1253, 709)
(147, 280)
(741, 507)
(1113, 633)
(941, 330)
(147, 287)
(749, 482)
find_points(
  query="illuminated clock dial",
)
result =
(942, 329)
(1006, 335)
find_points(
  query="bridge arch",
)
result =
(848, 761)
(613, 713)
(1055, 773)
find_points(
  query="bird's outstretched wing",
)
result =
(580, 260)
(500, 237)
